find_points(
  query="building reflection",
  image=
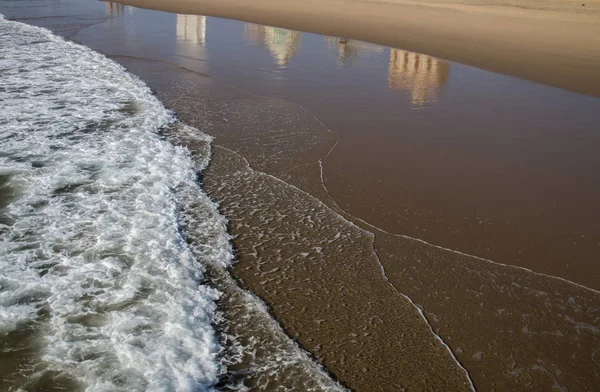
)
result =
(191, 28)
(422, 75)
(282, 43)
(349, 50)
(114, 9)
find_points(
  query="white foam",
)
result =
(95, 254)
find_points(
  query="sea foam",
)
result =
(92, 257)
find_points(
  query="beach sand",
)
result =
(552, 42)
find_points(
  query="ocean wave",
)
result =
(94, 264)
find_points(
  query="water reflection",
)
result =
(350, 50)
(114, 9)
(282, 43)
(191, 28)
(422, 75)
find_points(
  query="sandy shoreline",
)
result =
(342, 300)
(345, 290)
(555, 43)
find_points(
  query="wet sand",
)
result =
(342, 288)
(350, 293)
(462, 158)
(317, 272)
(552, 42)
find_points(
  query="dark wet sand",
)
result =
(317, 272)
(477, 162)
(321, 277)
(339, 285)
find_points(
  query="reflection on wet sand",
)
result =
(422, 75)
(191, 28)
(114, 9)
(349, 50)
(282, 43)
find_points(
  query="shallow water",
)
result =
(471, 160)
(344, 289)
